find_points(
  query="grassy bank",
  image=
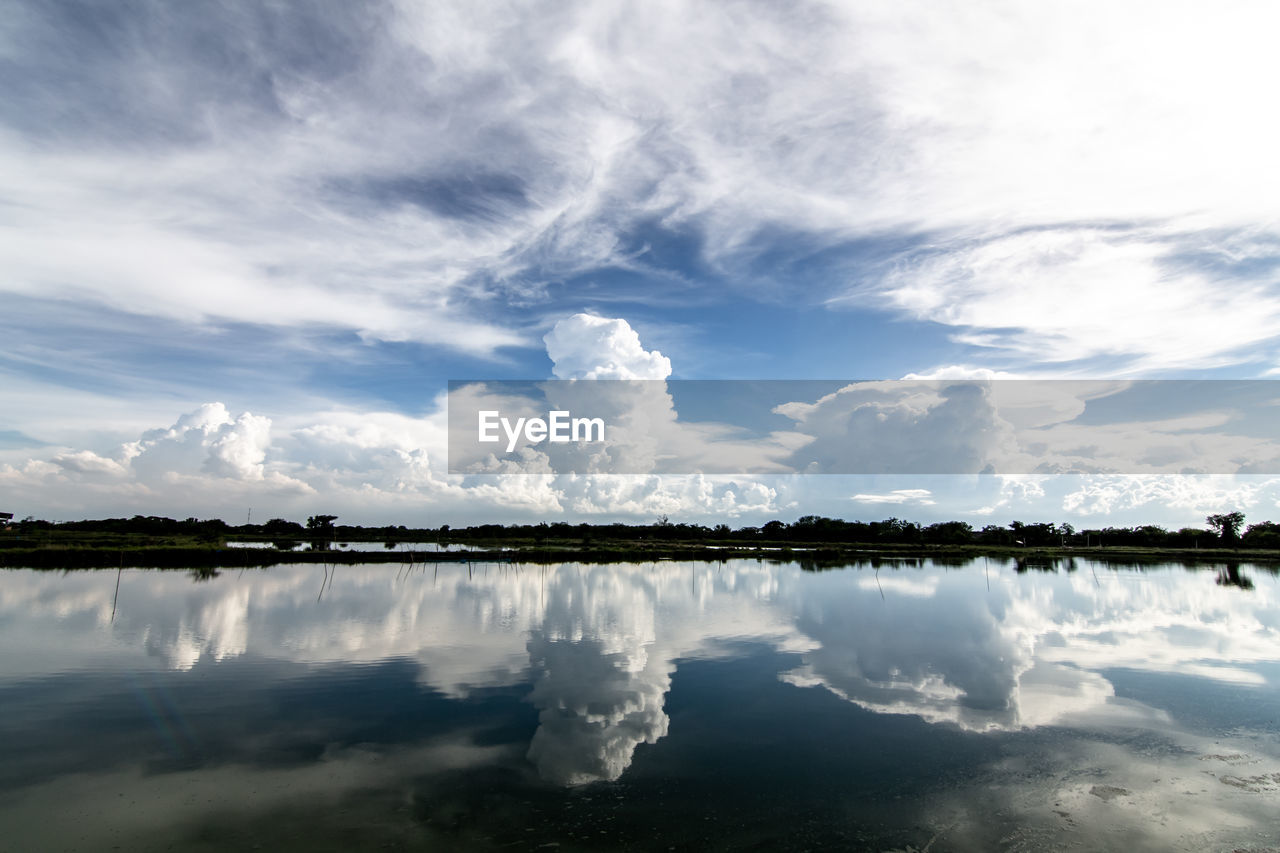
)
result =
(136, 552)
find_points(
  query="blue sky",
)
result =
(298, 222)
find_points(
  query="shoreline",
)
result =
(818, 555)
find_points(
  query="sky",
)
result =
(245, 246)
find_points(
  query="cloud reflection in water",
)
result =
(599, 644)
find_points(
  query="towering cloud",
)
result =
(588, 347)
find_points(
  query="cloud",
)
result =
(375, 463)
(605, 373)
(963, 371)
(374, 466)
(1036, 427)
(1067, 294)
(88, 462)
(584, 346)
(207, 440)
(901, 428)
(371, 466)
(385, 451)
(897, 496)
(421, 174)
(405, 175)
(1108, 495)
(240, 450)
(694, 495)
(1014, 489)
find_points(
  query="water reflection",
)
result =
(340, 545)
(598, 688)
(595, 651)
(1229, 575)
(956, 646)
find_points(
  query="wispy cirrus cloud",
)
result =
(402, 171)
(1141, 299)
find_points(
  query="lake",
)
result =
(340, 545)
(738, 705)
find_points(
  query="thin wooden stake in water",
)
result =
(117, 595)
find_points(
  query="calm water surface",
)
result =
(741, 705)
(340, 545)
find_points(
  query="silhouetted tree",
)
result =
(321, 527)
(282, 527)
(321, 523)
(1227, 524)
(773, 529)
(1264, 534)
(949, 532)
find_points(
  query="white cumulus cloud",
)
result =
(584, 346)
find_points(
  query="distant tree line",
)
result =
(1222, 530)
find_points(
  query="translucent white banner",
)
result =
(864, 427)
